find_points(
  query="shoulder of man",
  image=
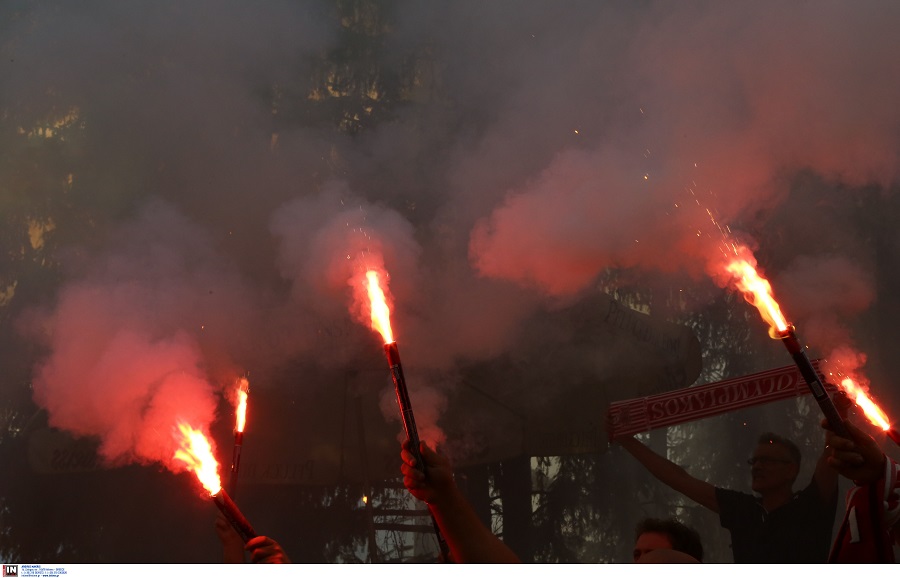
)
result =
(734, 495)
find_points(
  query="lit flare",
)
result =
(381, 322)
(243, 393)
(381, 314)
(241, 410)
(758, 292)
(869, 407)
(196, 453)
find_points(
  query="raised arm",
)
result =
(672, 474)
(470, 541)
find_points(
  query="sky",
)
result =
(540, 145)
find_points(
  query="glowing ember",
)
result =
(365, 499)
(872, 411)
(381, 315)
(196, 453)
(241, 411)
(758, 292)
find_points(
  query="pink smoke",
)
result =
(719, 113)
(121, 385)
(134, 336)
(327, 244)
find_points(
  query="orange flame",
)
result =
(195, 451)
(758, 292)
(870, 409)
(241, 410)
(381, 314)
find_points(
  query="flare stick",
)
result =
(234, 516)
(406, 411)
(236, 460)
(381, 322)
(409, 424)
(835, 421)
(243, 394)
(894, 435)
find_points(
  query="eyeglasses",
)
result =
(764, 460)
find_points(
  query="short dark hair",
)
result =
(683, 538)
(771, 438)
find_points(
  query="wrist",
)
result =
(447, 496)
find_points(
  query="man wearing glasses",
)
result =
(778, 525)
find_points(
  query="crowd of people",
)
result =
(775, 524)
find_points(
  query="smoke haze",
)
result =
(536, 146)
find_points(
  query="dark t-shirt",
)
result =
(797, 532)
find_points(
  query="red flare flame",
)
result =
(241, 410)
(196, 453)
(864, 402)
(381, 314)
(758, 292)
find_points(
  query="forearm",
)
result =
(661, 468)
(469, 539)
(673, 475)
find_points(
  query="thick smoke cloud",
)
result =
(733, 99)
(329, 240)
(132, 336)
(850, 292)
(579, 218)
(537, 145)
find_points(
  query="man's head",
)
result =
(654, 534)
(775, 463)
